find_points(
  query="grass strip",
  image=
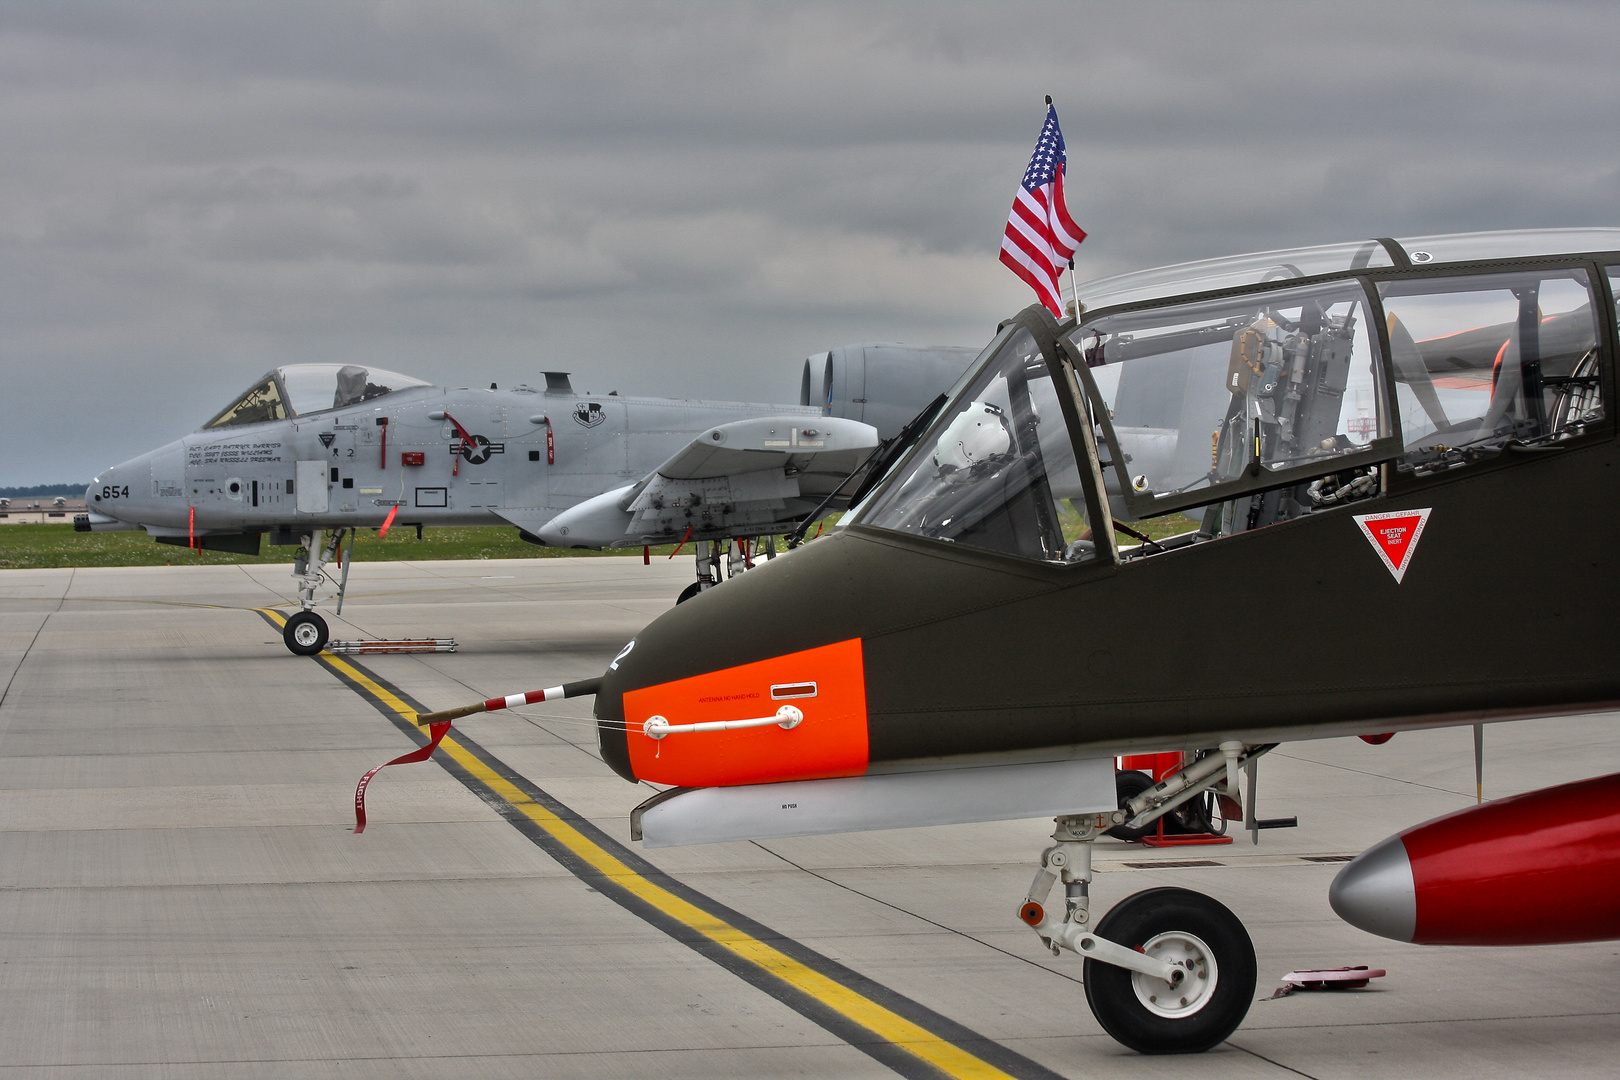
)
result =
(47, 546)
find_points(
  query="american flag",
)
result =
(1041, 237)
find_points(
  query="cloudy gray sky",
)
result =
(688, 199)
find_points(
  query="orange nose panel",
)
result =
(828, 685)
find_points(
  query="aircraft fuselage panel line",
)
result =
(900, 1033)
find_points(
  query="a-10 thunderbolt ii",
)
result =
(311, 453)
(1396, 473)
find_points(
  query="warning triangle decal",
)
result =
(1394, 536)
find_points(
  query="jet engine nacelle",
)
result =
(1541, 868)
(884, 385)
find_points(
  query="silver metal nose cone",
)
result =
(1375, 891)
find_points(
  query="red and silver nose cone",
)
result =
(1376, 891)
(1533, 869)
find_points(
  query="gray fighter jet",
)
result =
(313, 452)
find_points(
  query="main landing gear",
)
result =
(1167, 971)
(306, 632)
(736, 556)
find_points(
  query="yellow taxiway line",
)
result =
(940, 1053)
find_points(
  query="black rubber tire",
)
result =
(1129, 784)
(689, 592)
(297, 633)
(1136, 920)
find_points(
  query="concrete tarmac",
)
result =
(182, 894)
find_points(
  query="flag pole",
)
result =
(1074, 289)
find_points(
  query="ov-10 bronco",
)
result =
(312, 452)
(1398, 484)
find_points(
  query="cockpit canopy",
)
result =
(1239, 393)
(300, 389)
(997, 471)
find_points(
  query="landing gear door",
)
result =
(314, 494)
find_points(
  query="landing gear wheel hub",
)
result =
(1195, 958)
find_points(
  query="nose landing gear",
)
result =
(306, 632)
(1167, 971)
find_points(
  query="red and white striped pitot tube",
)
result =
(1541, 868)
(582, 688)
(528, 697)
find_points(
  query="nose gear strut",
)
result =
(306, 632)
(1069, 859)
(1166, 970)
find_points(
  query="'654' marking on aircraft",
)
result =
(312, 452)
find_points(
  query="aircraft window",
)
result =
(1484, 360)
(317, 387)
(997, 469)
(259, 404)
(1210, 399)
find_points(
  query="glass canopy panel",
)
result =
(1484, 359)
(997, 469)
(1240, 393)
(1508, 244)
(1230, 272)
(259, 404)
(317, 387)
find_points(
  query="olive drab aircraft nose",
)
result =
(889, 644)
(1227, 509)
